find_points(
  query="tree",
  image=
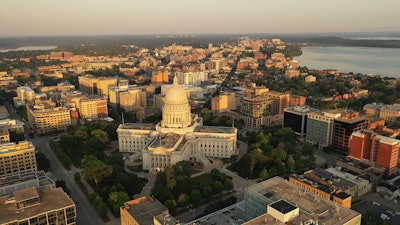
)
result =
(95, 170)
(102, 136)
(307, 149)
(228, 185)
(170, 176)
(206, 191)
(279, 153)
(218, 187)
(116, 200)
(195, 196)
(264, 174)
(183, 200)
(171, 205)
(290, 163)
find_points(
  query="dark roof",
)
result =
(342, 195)
(283, 206)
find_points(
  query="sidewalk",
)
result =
(71, 172)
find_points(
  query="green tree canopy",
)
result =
(94, 169)
(116, 200)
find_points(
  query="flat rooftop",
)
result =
(50, 199)
(139, 126)
(144, 209)
(311, 206)
(166, 141)
(4, 113)
(215, 129)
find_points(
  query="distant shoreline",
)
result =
(381, 40)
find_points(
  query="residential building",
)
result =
(319, 128)
(145, 210)
(43, 205)
(160, 76)
(179, 136)
(191, 78)
(296, 118)
(374, 148)
(45, 117)
(277, 201)
(17, 158)
(133, 99)
(93, 107)
(24, 94)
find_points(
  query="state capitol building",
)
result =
(179, 136)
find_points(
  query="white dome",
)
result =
(176, 94)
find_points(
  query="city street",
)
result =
(86, 214)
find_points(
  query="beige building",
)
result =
(390, 112)
(93, 107)
(133, 99)
(96, 85)
(310, 78)
(224, 102)
(42, 205)
(179, 136)
(45, 117)
(373, 109)
(145, 210)
(17, 158)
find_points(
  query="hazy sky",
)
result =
(97, 17)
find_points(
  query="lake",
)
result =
(30, 48)
(383, 61)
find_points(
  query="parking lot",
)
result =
(373, 203)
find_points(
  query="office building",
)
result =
(296, 118)
(45, 117)
(345, 123)
(319, 128)
(145, 210)
(43, 205)
(17, 158)
(179, 136)
(375, 149)
(277, 201)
